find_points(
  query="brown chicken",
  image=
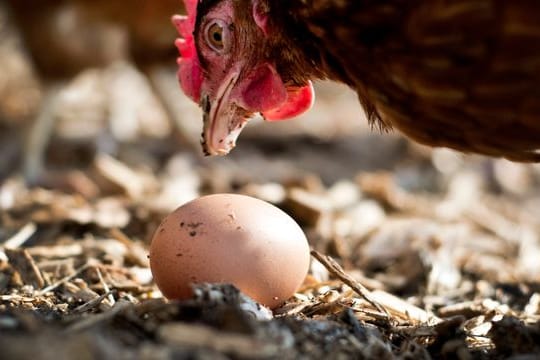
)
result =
(459, 74)
(66, 36)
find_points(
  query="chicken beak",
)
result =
(223, 120)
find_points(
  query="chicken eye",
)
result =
(216, 36)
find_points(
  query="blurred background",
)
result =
(90, 107)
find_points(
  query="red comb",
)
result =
(189, 68)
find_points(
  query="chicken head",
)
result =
(226, 66)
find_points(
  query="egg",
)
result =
(230, 238)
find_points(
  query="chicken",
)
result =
(66, 36)
(463, 74)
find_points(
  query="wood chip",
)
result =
(307, 207)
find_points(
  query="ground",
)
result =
(416, 253)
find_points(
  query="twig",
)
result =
(64, 280)
(21, 236)
(110, 297)
(17, 297)
(92, 303)
(334, 268)
(100, 318)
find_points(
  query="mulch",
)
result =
(416, 254)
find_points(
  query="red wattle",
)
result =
(264, 91)
(299, 100)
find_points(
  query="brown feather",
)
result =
(463, 74)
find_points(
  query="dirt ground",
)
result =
(416, 253)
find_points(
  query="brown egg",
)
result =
(227, 238)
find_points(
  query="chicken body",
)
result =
(458, 74)
(66, 36)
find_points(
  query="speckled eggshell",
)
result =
(228, 238)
